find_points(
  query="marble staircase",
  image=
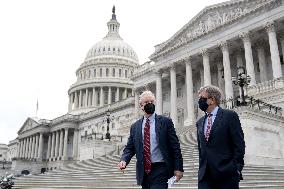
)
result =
(102, 173)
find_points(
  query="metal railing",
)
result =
(253, 103)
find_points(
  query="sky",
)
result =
(43, 42)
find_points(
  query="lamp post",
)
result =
(242, 79)
(4, 162)
(108, 121)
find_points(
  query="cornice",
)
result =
(162, 50)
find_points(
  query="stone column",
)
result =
(261, 62)
(282, 46)
(70, 103)
(75, 144)
(33, 147)
(249, 58)
(65, 144)
(227, 71)
(24, 148)
(48, 146)
(109, 95)
(190, 120)
(102, 97)
(137, 107)
(76, 100)
(86, 97)
(52, 145)
(125, 93)
(206, 67)
(173, 94)
(80, 99)
(61, 143)
(19, 149)
(159, 96)
(28, 148)
(94, 97)
(40, 146)
(275, 58)
(201, 72)
(117, 95)
(36, 145)
(56, 144)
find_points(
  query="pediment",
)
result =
(213, 17)
(28, 125)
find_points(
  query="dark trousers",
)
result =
(157, 178)
(207, 182)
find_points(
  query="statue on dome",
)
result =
(113, 13)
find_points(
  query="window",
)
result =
(113, 72)
(119, 74)
(95, 73)
(131, 73)
(107, 72)
(101, 72)
(113, 125)
(0, 155)
(179, 93)
(108, 49)
(125, 73)
(113, 49)
(89, 74)
(103, 128)
(86, 133)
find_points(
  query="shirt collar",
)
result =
(214, 112)
(151, 118)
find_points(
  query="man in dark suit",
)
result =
(221, 143)
(154, 141)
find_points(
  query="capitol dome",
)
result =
(104, 78)
(112, 45)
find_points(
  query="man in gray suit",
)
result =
(154, 141)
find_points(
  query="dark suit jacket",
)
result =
(167, 141)
(225, 149)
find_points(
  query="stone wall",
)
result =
(264, 137)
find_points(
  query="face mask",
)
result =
(149, 108)
(202, 103)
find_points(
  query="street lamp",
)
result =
(4, 162)
(108, 121)
(242, 79)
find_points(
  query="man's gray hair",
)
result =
(145, 93)
(212, 91)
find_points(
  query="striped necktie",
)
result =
(147, 151)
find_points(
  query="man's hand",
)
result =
(178, 175)
(121, 165)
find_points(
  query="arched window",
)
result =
(113, 72)
(119, 73)
(101, 72)
(125, 73)
(95, 73)
(107, 72)
(89, 74)
(131, 73)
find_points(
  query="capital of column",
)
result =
(224, 46)
(172, 66)
(158, 72)
(204, 52)
(245, 36)
(270, 26)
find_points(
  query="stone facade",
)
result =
(210, 49)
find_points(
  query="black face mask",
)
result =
(149, 108)
(202, 103)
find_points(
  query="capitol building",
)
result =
(219, 45)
